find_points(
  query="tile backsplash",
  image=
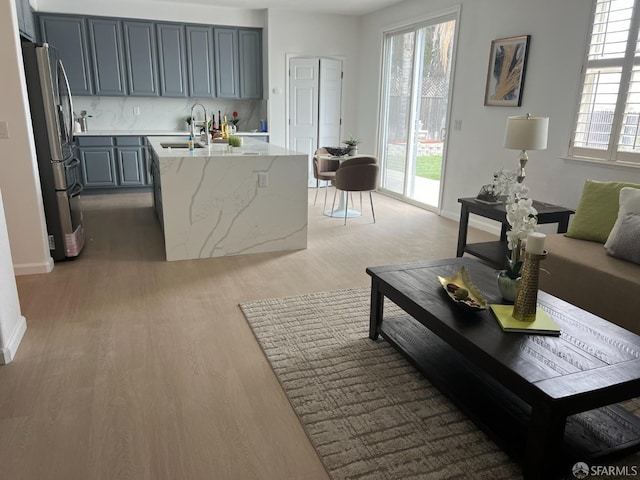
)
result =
(160, 113)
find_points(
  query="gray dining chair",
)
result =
(324, 169)
(359, 174)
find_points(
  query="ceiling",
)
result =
(346, 7)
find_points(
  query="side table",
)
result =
(495, 253)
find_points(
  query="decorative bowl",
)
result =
(473, 300)
(337, 151)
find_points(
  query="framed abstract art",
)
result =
(505, 76)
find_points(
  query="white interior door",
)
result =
(330, 103)
(315, 98)
(303, 106)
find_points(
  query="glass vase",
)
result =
(508, 286)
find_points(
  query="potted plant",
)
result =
(234, 121)
(522, 218)
(235, 141)
(352, 143)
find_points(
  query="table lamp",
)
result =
(526, 133)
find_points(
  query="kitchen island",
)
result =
(215, 202)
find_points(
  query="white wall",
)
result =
(19, 179)
(317, 35)
(12, 323)
(558, 33)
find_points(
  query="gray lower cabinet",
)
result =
(148, 155)
(227, 65)
(157, 190)
(113, 162)
(68, 34)
(131, 166)
(250, 60)
(140, 56)
(148, 169)
(200, 61)
(105, 44)
(98, 167)
(172, 60)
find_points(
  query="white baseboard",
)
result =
(8, 353)
(33, 268)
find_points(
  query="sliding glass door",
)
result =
(417, 72)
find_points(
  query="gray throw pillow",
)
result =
(626, 243)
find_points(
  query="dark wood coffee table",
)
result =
(548, 401)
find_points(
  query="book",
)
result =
(542, 325)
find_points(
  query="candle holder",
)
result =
(526, 302)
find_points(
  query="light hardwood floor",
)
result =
(137, 368)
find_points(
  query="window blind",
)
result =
(607, 123)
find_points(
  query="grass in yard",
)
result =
(429, 167)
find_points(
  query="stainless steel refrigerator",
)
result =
(58, 163)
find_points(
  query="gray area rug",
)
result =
(368, 412)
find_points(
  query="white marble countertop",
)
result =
(250, 147)
(213, 202)
(144, 133)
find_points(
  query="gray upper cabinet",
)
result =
(250, 58)
(68, 35)
(20, 14)
(200, 61)
(227, 65)
(26, 24)
(110, 56)
(28, 21)
(140, 55)
(172, 61)
(106, 51)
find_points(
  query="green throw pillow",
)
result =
(597, 211)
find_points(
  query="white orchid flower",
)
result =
(521, 214)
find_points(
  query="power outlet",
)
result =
(136, 111)
(263, 179)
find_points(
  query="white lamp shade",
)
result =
(526, 133)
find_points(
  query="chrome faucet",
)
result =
(205, 122)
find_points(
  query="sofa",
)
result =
(596, 264)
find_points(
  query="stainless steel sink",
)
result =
(179, 145)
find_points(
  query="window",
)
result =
(608, 117)
(418, 68)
